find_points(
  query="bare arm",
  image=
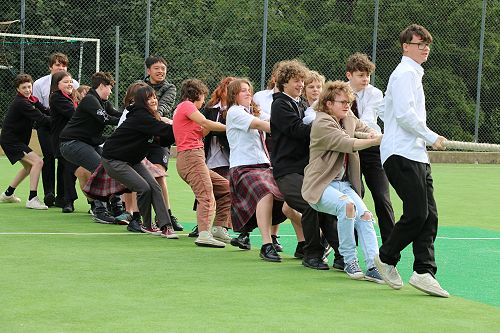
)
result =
(261, 125)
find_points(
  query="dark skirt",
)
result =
(15, 151)
(248, 185)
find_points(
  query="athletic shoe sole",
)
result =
(210, 245)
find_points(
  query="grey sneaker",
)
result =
(206, 239)
(9, 198)
(389, 273)
(353, 270)
(428, 284)
(35, 203)
(220, 233)
(373, 275)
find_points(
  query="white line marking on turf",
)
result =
(179, 234)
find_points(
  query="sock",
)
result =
(10, 191)
(136, 216)
(32, 195)
(169, 212)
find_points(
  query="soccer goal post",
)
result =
(97, 42)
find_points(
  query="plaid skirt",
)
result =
(248, 185)
(101, 186)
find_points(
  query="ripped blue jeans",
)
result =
(333, 201)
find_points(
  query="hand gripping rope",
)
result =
(455, 145)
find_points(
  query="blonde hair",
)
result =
(330, 91)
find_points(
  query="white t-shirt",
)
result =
(264, 99)
(245, 143)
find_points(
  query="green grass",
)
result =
(102, 278)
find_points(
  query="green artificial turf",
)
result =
(64, 273)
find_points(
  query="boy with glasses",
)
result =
(406, 163)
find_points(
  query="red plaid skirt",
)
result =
(101, 186)
(248, 184)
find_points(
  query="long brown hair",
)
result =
(141, 97)
(220, 91)
(234, 88)
(131, 90)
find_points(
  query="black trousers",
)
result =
(49, 165)
(419, 222)
(312, 221)
(69, 179)
(376, 180)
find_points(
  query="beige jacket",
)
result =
(329, 143)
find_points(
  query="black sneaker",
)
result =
(276, 243)
(134, 226)
(338, 264)
(103, 217)
(49, 199)
(194, 232)
(68, 208)
(242, 241)
(299, 250)
(175, 223)
(269, 253)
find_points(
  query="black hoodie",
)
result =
(130, 142)
(289, 135)
(88, 122)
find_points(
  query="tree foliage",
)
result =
(210, 39)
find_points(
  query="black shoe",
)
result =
(299, 250)
(242, 241)
(104, 218)
(115, 206)
(268, 253)
(194, 232)
(49, 199)
(338, 264)
(68, 208)
(315, 263)
(276, 243)
(175, 223)
(134, 226)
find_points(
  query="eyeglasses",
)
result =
(421, 46)
(346, 103)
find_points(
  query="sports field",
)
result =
(64, 273)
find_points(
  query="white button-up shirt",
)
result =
(245, 143)
(405, 128)
(370, 103)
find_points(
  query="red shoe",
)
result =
(151, 230)
(169, 233)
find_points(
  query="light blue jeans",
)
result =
(333, 201)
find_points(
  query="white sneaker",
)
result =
(35, 203)
(9, 198)
(428, 284)
(220, 233)
(206, 239)
(389, 274)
